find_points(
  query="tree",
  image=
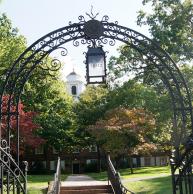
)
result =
(171, 25)
(58, 126)
(130, 95)
(27, 126)
(187, 72)
(122, 130)
(43, 93)
(11, 44)
(137, 95)
(91, 105)
(55, 117)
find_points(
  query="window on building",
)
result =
(55, 151)
(76, 150)
(147, 161)
(53, 165)
(73, 90)
(163, 161)
(134, 160)
(62, 164)
(39, 150)
(91, 161)
(38, 165)
(93, 148)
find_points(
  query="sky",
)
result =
(35, 18)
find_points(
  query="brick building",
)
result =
(75, 162)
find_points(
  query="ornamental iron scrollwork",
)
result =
(93, 33)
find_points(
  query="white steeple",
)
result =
(75, 84)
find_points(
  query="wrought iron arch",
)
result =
(92, 33)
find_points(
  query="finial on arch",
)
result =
(91, 15)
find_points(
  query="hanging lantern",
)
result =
(95, 65)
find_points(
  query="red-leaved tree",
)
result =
(27, 127)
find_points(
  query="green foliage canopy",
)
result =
(11, 43)
(171, 25)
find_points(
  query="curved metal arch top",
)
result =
(99, 33)
(95, 33)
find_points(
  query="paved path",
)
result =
(81, 180)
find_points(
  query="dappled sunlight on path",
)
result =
(80, 180)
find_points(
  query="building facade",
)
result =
(43, 159)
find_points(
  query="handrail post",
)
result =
(56, 184)
(25, 171)
(107, 161)
(114, 178)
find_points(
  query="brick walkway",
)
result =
(81, 180)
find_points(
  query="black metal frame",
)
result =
(98, 33)
(114, 178)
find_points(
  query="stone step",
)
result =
(85, 192)
(94, 189)
(86, 187)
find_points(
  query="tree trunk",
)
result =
(131, 164)
(99, 159)
(117, 162)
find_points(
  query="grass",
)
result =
(37, 191)
(145, 172)
(154, 185)
(38, 183)
(151, 186)
(138, 173)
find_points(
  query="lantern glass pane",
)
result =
(96, 65)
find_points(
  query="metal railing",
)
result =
(181, 169)
(54, 187)
(114, 178)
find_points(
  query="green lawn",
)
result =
(37, 191)
(161, 185)
(138, 172)
(145, 172)
(151, 186)
(38, 183)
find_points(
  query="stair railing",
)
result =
(114, 178)
(54, 188)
